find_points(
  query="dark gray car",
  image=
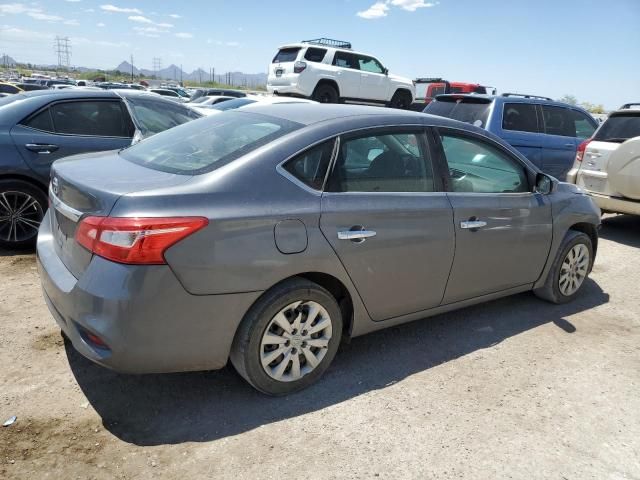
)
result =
(265, 237)
(39, 127)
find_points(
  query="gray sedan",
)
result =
(265, 237)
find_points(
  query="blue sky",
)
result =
(586, 48)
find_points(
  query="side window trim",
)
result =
(425, 147)
(442, 161)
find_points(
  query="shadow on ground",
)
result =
(624, 229)
(176, 408)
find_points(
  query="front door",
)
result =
(503, 230)
(389, 222)
(374, 83)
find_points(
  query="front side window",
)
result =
(558, 121)
(477, 167)
(95, 118)
(584, 127)
(154, 116)
(369, 64)
(202, 146)
(520, 117)
(345, 60)
(315, 54)
(311, 166)
(385, 162)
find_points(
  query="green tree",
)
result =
(570, 99)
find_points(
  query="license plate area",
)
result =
(279, 72)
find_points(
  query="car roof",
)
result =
(508, 99)
(325, 47)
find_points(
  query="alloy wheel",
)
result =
(295, 341)
(574, 269)
(20, 216)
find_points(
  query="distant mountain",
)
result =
(7, 61)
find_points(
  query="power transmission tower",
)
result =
(157, 66)
(62, 48)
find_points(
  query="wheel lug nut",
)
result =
(294, 351)
(305, 333)
(304, 344)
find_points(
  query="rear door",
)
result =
(348, 74)
(389, 222)
(522, 129)
(374, 84)
(503, 230)
(562, 126)
(70, 127)
(281, 72)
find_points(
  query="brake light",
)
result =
(299, 67)
(581, 149)
(140, 241)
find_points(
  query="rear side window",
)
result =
(345, 60)
(94, 118)
(386, 162)
(520, 117)
(205, 145)
(467, 110)
(154, 116)
(41, 121)
(311, 166)
(315, 54)
(286, 55)
(619, 127)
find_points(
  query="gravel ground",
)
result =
(516, 388)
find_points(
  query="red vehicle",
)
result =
(428, 88)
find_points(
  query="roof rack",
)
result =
(429, 80)
(628, 106)
(329, 42)
(523, 95)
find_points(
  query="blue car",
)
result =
(545, 131)
(37, 128)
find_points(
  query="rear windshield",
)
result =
(233, 104)
(619, 127)
(202, 146)
(286, 55)
(154, 116)
(470, 111)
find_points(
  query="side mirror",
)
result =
(544, 184)
(386, 71)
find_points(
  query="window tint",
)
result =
(310, 167)
(102, 119)
(286, 55)
(315, 54)
(521, 117)
(558, 121)
(619, 127)
(154, 116)
(368, 64)
(473, 111)
(584, 128)
(393, 162)
(41, 121)
(345, 60)
(235, 103)
(203, 146)
(475, 166)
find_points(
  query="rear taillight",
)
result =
(581, 149)
(140, 241)
(299, 67)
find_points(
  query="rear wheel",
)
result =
(325, 93)
(570, 269)
(288, 338)
(22, 207)
(401, 99)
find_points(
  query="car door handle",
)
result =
(569, 144)
(357, 236)
(41, 148)
(473, 224)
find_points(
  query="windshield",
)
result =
(207, 144)
(152, 116)
(473, 112)
(233, 104)
(619, 127)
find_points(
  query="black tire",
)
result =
(325, 93)
(401, 100)
(550, 291)
(246, 348)
(20, 234)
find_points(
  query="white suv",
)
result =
(329, 71)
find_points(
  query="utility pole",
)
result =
(180, 74)
(132, 68)
(63, 50)
(157, 66)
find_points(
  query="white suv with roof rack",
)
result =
(329, 71)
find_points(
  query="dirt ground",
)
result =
(516, 388)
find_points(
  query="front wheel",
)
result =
(288, 338)
(22, 207)
(570, 269)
